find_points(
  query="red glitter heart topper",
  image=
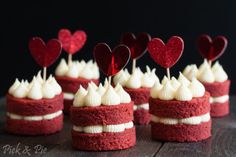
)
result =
(137, 44)
(166, 55)
(111, 62)
(211, 49)
(72, 43)
(45, 54)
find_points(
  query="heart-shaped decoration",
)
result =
(45, 54)
(137, 44)
(111, 62)
(72, 43)
(166, 55)
(211, 49)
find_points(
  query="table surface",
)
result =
(221, 144)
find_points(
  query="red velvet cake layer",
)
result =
(30, 107)
(71, 85)
(217, 89)
(102, 115)
(104, 141)
(180, 109)
(139, 96)
(181, 132)
(67, 105)
(142, 117)
(220, 109)
(43, 127)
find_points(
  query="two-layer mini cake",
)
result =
(34, 108)
(102, 119)
(138, 85)
(180, 110)
(71, 76)
(216, 82)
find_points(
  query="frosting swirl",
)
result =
(137, 79)
(36, 89)
(78, 69)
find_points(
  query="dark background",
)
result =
(104, 21)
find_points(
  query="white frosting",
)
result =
(68, 96)
(144, 106)
(183, 93)
(78, 69)
(97, 96)
(206, 73)
(220, 99)
(167, 92)
(34, 118)
(14, 86)
(181, 89)
(110, 97)
(79, 99)
(48, 90)
(94, 129)
(124, 96)
(183, 80)
(114, 128)
(91, 99)
(137, 79)
(191, 71)
(62, 68)
(155, 89)
(72, 71)
(197, 89)
(134, 81)
(36, 89)
(195, 120)
(219, 73)
(21, 91)
(101, 90)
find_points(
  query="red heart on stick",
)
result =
(166, 55)
(45, 54)
(111, 62)
(137, 45)
(211, 49)
(72, 43)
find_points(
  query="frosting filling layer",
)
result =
(68, 96)
(106, 128)
(34, 118)
(195, 120)
(141, 106)
(220, 99)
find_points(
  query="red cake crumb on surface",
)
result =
(71, 85)
(181, 132)
(104, 141)
(102, 115)
(220, 109)
(217, 89)
(139, 96)
(142, 117)
(30, 107)
(180, 109)
(43, 127)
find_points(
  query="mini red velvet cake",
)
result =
(70, 77)
(138, 85)
(180, 110)
(216, 83)
(34, 108)
(102, 119)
